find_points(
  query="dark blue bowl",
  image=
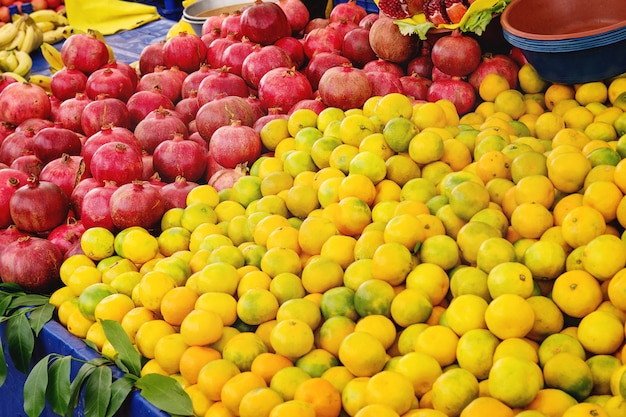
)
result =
(569, 41)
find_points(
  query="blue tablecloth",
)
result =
(126, 45)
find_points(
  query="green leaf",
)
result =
(21, 342)
(35, 388)
(126, 353)
(40, 316)
(76, 386)
(11, 287)
(98, 392)
(58, 392)
(3, 366)
(5, 300)
(165, 393)
(120, 389)
(29, 300)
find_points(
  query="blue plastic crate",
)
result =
(368, 5)
(169, 9)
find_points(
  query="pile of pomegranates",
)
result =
(108, 134)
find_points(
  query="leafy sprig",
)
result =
(49, 381)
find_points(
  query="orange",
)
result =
(292, 338)
(567, 170)
(221, 303)
(468, 198)
(515, 381)
(486, 406)
(601, 333)
(293, 408)
(134, 319)
(494, 251)
(403, 229)
(438, 341)
(362, 354)
(259, 402)
(551, 401)
(410, 306)
(509, 315)
(431, 279)
(267, 364)
(616, 290)
(193, 360)
(213, 375)
(168, 351)
(201, 327)
(453, 391)
(321, 394)
(471, 235)
(391, 262)
(549, 317)
(569, 373)
(177, 303)
(321, 274)
(379, 326)
(605, 197)
(535, 189)
(577, 293)
(237, 387)
(565, 205)
(149, 334)
(256, 306)
(242, 348)
(585, 409)
(373, 296)
(314, 231)
(316, 362)
(510, 278)
(391, 389)
(280, 260)
(466, 312)
(604, 256)
(531, 220)
(456, 154)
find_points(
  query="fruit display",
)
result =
(325, 219)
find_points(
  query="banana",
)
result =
(29, 39)
(25, 63)
(7, 33)
(41, 80)
(15, 76)
(49, 15)
(17, 41)
(54, 36)
(46, 26)
(8, 60)
(71, 30)
(52, 56)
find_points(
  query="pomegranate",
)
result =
(326, 39)
(213, 22)
(158, 126)
(66, 82)
(227, 177)
(23, 101)
(271, 115)
(16, 264)
(297, 14)
(6, 80)
(459, 92)
(261, 60)
(356, 47)
(221, 112)
(179, 157)
(175, 193)
(66, 172)
(188, 107)
(81, 189)
(216, 49)
(257, 106)
(347, 11)
(70, 112)
(18, 143)
(500, 64)
(116, 161)
(294, 49)
(456, 54)
(150, 57)
(384, 82)
(84, 52)
(35, 124)
(344, 87)
(38, 206)
(235, 144)
(106, 134)
(10, 234)
(9, 183)
(66, 235)
(389, 44)
(320, 63)
(421, 65)
(384, 66)
(142, 103)
(264, 22)
(316, 104)
(95, 207)
(110, 82)
(283, 88)
(185, 50)
(441, 12)
(415, 86)
(318, 22)
(130, 72)
(209, 37)
(137, 204)
(104, 111)
(52, 142)
(369, 20)
(231, 25)
(28, 163)
(162, 80)
(192, 81)
(234, 54)
(400, 9)
(221, 82)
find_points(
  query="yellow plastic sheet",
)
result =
(109, 16)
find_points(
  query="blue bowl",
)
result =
(569, 41)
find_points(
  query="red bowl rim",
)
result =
(562, 36)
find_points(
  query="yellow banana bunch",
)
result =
(42, 81)
(21, 34)
(51, 23)
(52, 57)
(16, 61)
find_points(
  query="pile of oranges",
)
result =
(394, 260)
